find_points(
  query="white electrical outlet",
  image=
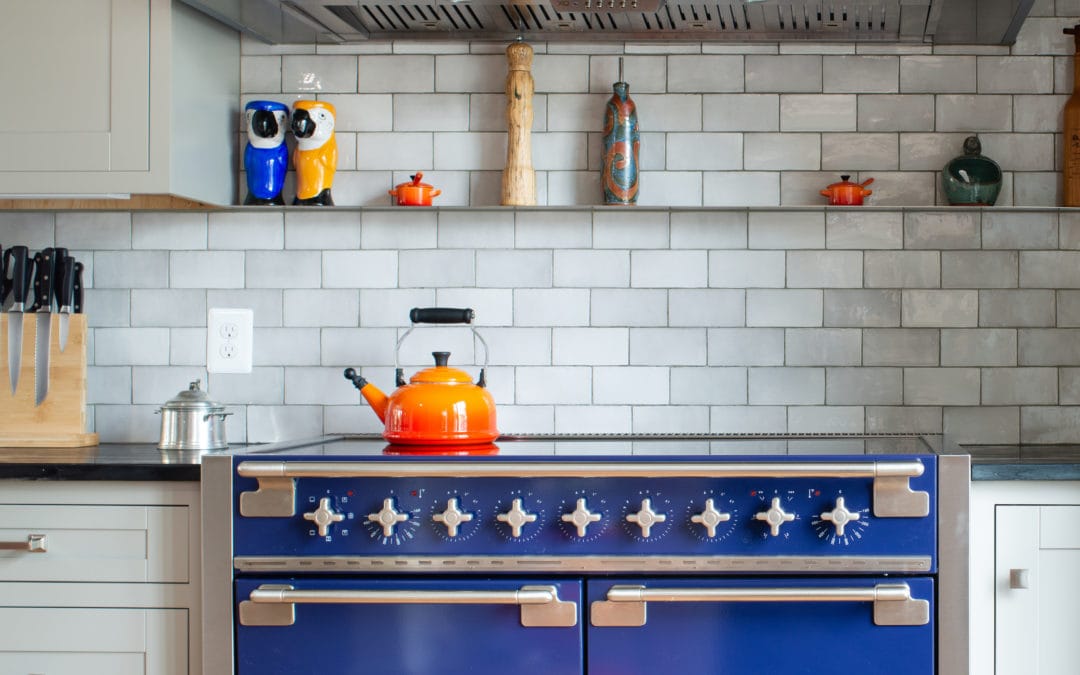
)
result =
(229, 340)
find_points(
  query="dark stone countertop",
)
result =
(1024, 462)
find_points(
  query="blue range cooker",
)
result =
(566, 555)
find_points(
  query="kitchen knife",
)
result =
(77, 293)
(65, 292)
(20, 268)
(44, 279)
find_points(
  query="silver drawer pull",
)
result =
(35, 543)
(274, 605)
(1019, 579)
(893, 604)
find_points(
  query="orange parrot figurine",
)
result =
(315, 156)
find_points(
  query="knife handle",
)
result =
(77, 289)
(18, 265)
(65, 282)
(3, 277)
(44, 278)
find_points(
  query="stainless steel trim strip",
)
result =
(665, 564)
(35, 543)
(318, 469)
(217, 574)
(953, 512)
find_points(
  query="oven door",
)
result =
(408, 627)
(870, 626)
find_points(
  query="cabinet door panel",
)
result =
(72, 641)
(78, 83)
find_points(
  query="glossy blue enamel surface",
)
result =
(678, 499)
(389, 639)
(744, 638)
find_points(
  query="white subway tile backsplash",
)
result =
(552, 229)
(901, 347)
(668, 346)
(895, 112)
(742, 188)
(668, 112)
(666, 419)
(112, 307)
(790, 230)
(705, 73)
(644, 74)
(187, 347)
(414, 112)
(786, 386)
(553, 385)
(818, 112)
(110, 384)
(619, 228)
(476, 230)
(576, 112)
(708, 229)
(783, 307)
(864, 386)
(181, 230)
(747, 269)
(168, 307)
(286, 347)
(707, 307)
(275, 423)
(613, 419)
(781, 151)
(788, 73)
(262, 386)
(748, 420)
(389, 73)
(862, 308)
(978, 347)
(629, 307)
(937, 74)
(995, 425)
(709, 151)
(590, 346)
(669, 269)
(551, 307)
(741, 112)
(863, 230)
(603, 268)
(242, 231)
(131, 269)
(89, 230)
(708, 386)
(860, 74)
(804, 419)
(967, 113)
(952, 309)
(824, 269)
(941, 386)
(278, 269)
(633, 385)
(314, 75)
(131, 346)
(438, 269)
(260, 73)
(313, 307)
(859, 152)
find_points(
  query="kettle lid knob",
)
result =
(441, 358)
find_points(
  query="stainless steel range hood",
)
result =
(342, 21)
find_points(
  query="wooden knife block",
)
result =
(60, 420)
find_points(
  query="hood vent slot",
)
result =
(919, 21)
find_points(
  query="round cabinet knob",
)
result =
(839, 516)
(324, 517)
(775, 517)
(452, 517)
(645, 518)
(580, 517)
(516, 518)
(388, 517)
(710, 518)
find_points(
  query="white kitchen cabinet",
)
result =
(117, 97)
(117, 587)
(1025, 587)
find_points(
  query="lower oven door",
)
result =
(372, 626)
(870, 626)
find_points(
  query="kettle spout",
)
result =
(372, 394)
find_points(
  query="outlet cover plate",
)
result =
(229, 338)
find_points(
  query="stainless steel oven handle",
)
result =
(274, 605)
(35, 543)
(893, 604)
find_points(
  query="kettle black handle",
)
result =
(441, 315)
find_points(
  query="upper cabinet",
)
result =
(117, 97)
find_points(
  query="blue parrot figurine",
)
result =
(266, 158)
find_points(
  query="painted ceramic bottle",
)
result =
(619, 173)
(266, 158)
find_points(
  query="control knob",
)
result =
(840, 516)
(775, 517)
(388, 517)
(645, 518)
(580, 517)
(324, 517)
(452, 517)
(710, 518)
(516, 518)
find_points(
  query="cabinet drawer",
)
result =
(90, 542)
(70, 641)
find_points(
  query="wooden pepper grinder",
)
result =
(519, 179)
(622, 139)
(1071, 165)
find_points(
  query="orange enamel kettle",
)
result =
(439, 405)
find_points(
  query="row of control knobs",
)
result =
(517, 517)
